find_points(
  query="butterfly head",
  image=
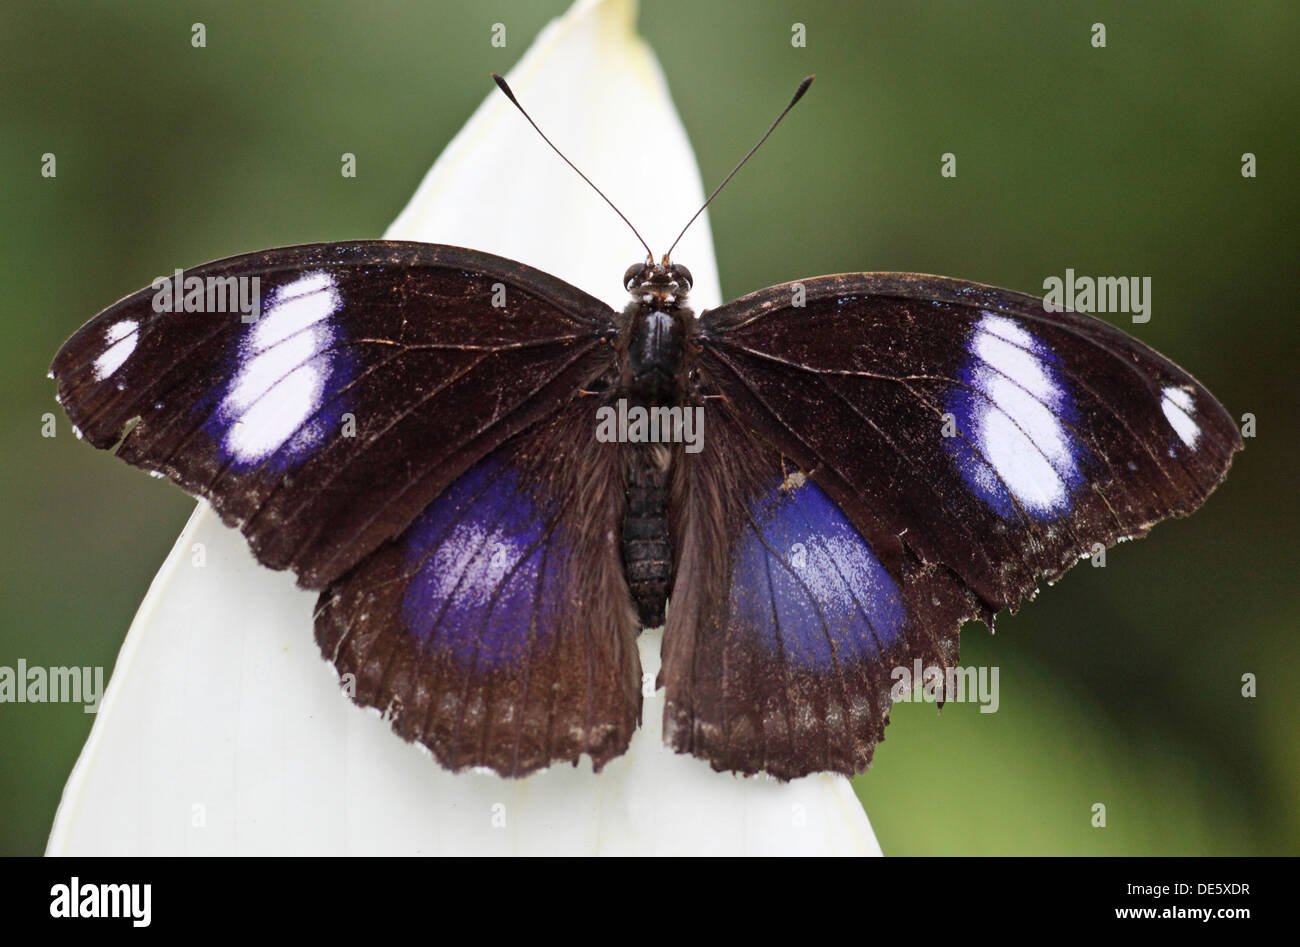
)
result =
(664, 281)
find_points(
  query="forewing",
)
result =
(965, 425)
(373, 374)
(497, 630)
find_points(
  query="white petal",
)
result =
(223, 731)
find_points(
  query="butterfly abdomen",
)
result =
(647, 551)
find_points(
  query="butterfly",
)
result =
(495, 481)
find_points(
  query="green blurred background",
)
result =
(1122, 686)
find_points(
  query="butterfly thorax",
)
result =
(654, 333)
(655, 353)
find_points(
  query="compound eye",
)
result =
(634, 275)
(683, 275)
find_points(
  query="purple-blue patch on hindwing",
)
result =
(807, 585)
(1014, 446)
(289, 372)
(486, 564)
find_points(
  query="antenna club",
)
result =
(803, 87)
(504, 87)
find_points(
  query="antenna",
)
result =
(798, 94)
(511, 96)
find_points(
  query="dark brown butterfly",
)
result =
(496, 481)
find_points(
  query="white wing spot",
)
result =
(282, 374)
(1179, 407)
(1016, 430)
(120, 338)
(1007, 329)
(294, 307)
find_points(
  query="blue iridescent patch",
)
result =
(485, 586)
(808, 585)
